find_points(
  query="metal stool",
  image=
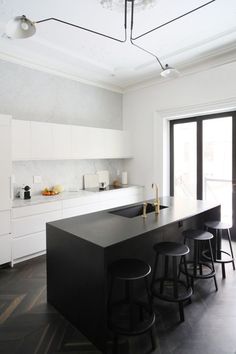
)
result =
(130, 316)
(218, 227)
(197, 269)
(167, 288)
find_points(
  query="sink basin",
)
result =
(134, 211)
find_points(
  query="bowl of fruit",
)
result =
(52, 191)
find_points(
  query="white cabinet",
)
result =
(96, 143)
(41, 141)
(21, 140)
(46, 141)
(29, 222)
(29, 229)
(61, 137)
(5, 188)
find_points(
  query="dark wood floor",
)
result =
(28, 325)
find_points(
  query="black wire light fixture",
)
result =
(22, 27)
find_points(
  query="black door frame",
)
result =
(199, 120)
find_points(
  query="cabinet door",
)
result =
(41, 141)
(61, 141)
(21, 140)
(5, 162)
(81, 142)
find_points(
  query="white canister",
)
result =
(124, 177)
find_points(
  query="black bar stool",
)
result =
(219, 227)
(167, 288)
(198, 269)
(130, 316)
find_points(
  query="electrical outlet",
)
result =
(37, 179)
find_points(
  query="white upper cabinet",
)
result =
(5, 162)
(21, 140)
(41, 141)
(46, 141)
(61, 137)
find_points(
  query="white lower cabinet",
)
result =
(29, 222)
(29, 245)
(29, 229)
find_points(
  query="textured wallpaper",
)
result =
(34, 95)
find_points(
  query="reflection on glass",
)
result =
(185, 164)
(217, 163)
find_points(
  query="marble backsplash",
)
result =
(69, 173)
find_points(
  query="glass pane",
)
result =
(185, 164)
(217, 163)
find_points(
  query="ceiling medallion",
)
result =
(119, 4)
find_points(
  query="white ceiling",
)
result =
(194, 39)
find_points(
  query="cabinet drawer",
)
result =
(35, 209)
(28, 245)
(5, 222)
(32, 224)
(5, 249)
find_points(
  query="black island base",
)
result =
(81, 249)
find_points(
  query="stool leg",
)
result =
(131, 305)
(115, 344)
(199, 257)
(150, 303)
(181, 311)
(153, 337)
(154, 272)
(186, 271)
(212, 264)
(165, 274)
(223, 270)
(175, 277)
(231, 248)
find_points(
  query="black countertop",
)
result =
(105, 229)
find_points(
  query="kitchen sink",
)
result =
(136, 210)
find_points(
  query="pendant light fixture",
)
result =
(22, 27)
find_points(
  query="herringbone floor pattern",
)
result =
(28, 325)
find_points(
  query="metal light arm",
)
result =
(132, 39)
(173, 20)
(89, 30)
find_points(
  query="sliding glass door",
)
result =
(202, 160)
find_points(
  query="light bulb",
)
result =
(24, 26)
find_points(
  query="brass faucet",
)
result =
(157, 200)
(144, 210)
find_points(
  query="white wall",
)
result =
(144, 109)
(30, 94)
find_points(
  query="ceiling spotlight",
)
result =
(22, 27)
(169, 72)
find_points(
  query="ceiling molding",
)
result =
(220, 57)
(47, 69)
(188, 111)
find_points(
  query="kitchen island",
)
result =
(80, 250)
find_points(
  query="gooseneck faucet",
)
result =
(157, 200)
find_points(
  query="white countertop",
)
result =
(38, 199)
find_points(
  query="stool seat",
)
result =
(172, 249)
(199, 235)
(219, 228)
(196, 268)
(130, 269)
(218, 225)
(129, 315)
(170, 288)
